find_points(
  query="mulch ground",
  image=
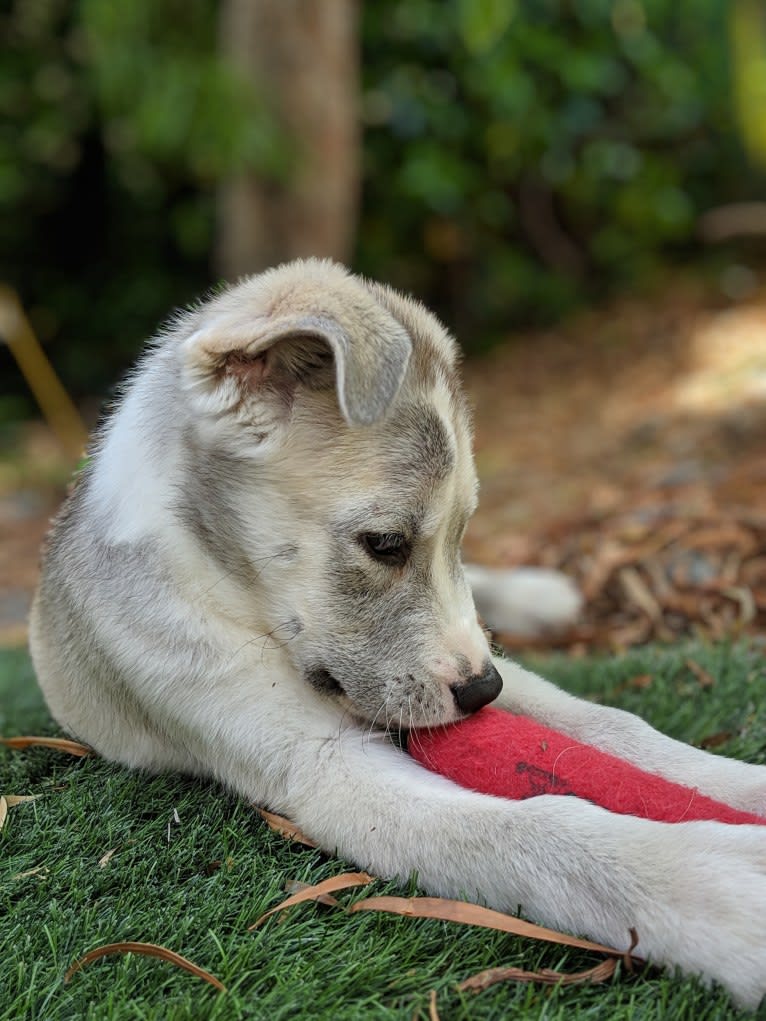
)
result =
(627, 447)
(629, 450)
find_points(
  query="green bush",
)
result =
(523, 156)
(520, 156)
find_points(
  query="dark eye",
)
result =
(387, 547)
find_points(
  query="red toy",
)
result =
(510, 756)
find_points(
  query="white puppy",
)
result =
(258, 577)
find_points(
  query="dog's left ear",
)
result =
(241, 355)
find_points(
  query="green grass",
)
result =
(195, 887)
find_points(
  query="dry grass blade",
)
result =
(484, 979)
(285, 828)
(3, 811)
(474, 914)
(148, 950)
(433, 1013)
(332, 885)
(59, 744)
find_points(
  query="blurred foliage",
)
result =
(520, 155)
(536, 152)
(117, 120)
(748, 34)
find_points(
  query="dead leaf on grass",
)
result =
(148, 950)
(335, 883)
(8, 801)
(296, 886)
(104, 860)
(474, 914)
(39, 870)
(716, 740)
(638, 683)
(484, 979)
(285, 828)
(704, 679)
(60, 744)
(599, 973)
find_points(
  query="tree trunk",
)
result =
(302, 58)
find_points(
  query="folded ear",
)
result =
(235, 357)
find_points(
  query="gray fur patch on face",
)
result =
(418, 446)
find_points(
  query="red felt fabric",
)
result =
(495, 752)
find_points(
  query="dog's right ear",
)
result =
(241, 356)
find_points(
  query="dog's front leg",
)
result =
(738, 784)
(695, 893)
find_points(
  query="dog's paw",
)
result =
(714, 922)
(525, 601)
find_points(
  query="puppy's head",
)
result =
(332, 452)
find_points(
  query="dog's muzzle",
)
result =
(477, 691)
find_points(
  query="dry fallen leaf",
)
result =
(40, 870)
(104, 860)
(638, 592)
(296, 886)
(715, 740)
(474, 914)
(599, 973)
(59, 744)
(484, 979)
(285, 828)
(705, 679)
(8, 801)
(746, 601)
(342, 882)
(640, 682)
(148, 950)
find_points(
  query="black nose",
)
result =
(478, 690)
